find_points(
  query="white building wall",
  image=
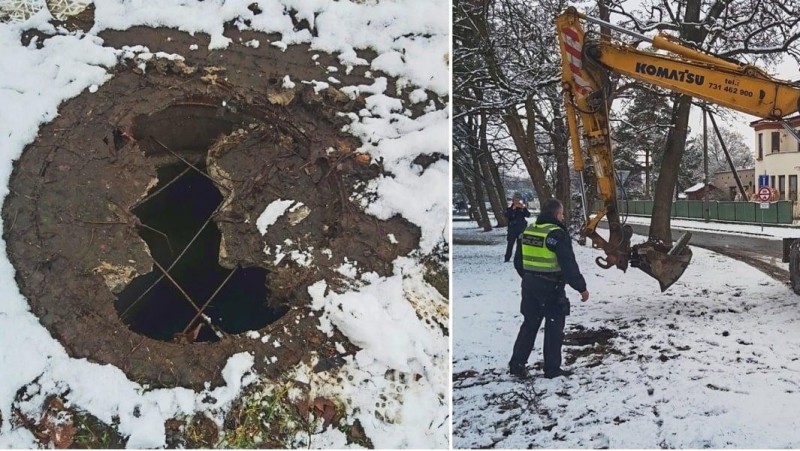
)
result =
(726, 182)
(781, 165)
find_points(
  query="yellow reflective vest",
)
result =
(535, 254)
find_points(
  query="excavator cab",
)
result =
(661, 262)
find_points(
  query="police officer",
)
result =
(545, 261)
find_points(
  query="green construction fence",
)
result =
(779, 212)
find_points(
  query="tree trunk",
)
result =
(604, 14)
(647, 173)
(474, 214)
(561, 150)
(498, 205)
(526, 146)
(676, 140)
(498, 181)
(668, 177)
(477, 183)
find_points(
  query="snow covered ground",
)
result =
(411, 40)
(712, 362)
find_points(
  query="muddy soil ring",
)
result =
(75, 243)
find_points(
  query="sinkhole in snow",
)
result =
(108, 195)
(189, 296)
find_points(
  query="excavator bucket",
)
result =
(661, 262)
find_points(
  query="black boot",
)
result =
(559, 373)
(519, 371)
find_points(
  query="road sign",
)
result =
(765, 205)
(763, 180)
(764, 194)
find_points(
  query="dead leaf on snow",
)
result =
(58, 424)
(281, 98)
(326, 409)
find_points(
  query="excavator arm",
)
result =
(585, 97)
(586, 61)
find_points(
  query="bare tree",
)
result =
(505, 67)
(756, 31)
(483, 156)
(467, 168)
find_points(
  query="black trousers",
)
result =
(510, 248)
(553, 340)
(540, 302)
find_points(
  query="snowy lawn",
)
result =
(410, 41)
(712, 362)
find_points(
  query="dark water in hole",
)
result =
(179, 212)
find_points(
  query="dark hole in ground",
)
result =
(588, 337)
(183, 241)
(184, 127)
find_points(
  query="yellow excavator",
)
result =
(586, 59)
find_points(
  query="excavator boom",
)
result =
(746, 88)
(585, 66)
(585, 98)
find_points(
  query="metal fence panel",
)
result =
(785, 212)
(695, 209)
(713, 210)
(746, 211)
(767, 215)
(726, 211)
(681, 209)
(781, 212)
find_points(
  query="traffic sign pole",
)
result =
(764, 195)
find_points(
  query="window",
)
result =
(793, 187)
(782, 187)
(772, 182)
(776, 142)
(760, 146)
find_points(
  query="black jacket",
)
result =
(516, 221)
(559, 242)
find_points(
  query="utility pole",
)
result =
(647, 173)
(706, 214)
(728, 156)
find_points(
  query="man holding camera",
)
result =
(516, 214)
(545, 261)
